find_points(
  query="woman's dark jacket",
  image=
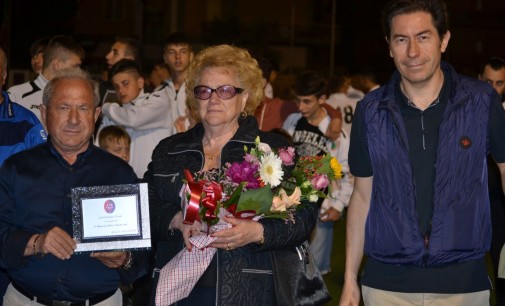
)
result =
(243, 272)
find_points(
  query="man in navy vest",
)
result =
(420, 205)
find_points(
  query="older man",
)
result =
(36, 245)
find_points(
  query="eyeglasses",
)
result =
(224, 92)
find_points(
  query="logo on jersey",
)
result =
(109, 206)
(43, 134)
(465, 142)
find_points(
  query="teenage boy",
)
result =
(61, 52)
(307, 127)
(146, 117)
(177, 54)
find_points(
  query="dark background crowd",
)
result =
(325, 35)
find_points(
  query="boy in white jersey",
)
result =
(146, 117)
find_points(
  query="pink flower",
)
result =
(244, 172)
(282, 202)
(287, 156)
(320, 181)
(251, 159)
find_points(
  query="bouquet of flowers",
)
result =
(258, 186)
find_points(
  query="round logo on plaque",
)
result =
(109, 206)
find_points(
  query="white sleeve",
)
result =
(341, 195)
(151, 113)
(290, 123)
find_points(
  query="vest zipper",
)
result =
(427, 243)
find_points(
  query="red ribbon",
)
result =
(212, 193)
(193, 206)
(208, 194)
(244, 214)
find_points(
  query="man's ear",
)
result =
(140, 82)
(445, 41)
(387, 41)
(322, 99)
(98, 110)
(43, 114)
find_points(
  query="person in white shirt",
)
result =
(307, 127)
(62, 52)
(146, 117)
(177, 54)
(339, 87)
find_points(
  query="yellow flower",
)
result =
(336, 167)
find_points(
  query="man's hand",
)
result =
(57, 242)
(111, 259)
(350, 293)
(331, 214)
(334, 129)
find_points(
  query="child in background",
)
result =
(307, 128)
(146, 117)
(114, 139)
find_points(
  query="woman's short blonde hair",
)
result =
(238, 61)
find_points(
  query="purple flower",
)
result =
(287, 156)
(244, 172)
(320, 181)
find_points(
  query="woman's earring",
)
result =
(243, 114)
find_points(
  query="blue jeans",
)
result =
(321, 244)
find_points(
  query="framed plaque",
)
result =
(111, 218)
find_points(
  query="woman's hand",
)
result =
(243, 232)
(187, 230)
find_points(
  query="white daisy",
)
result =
(271, 169)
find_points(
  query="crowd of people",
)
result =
(422, 156)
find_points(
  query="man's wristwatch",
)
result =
(128, 262)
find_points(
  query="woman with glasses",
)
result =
(251, 265)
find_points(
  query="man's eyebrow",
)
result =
(417, 34)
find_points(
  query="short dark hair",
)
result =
(310, 83)
(337, 81)
(112, 133)
(60, 46)
(38, 46)
(133, 46)
(125, 65)
(177, 38)
(496, 63)
(436, 8)
(265, 65)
